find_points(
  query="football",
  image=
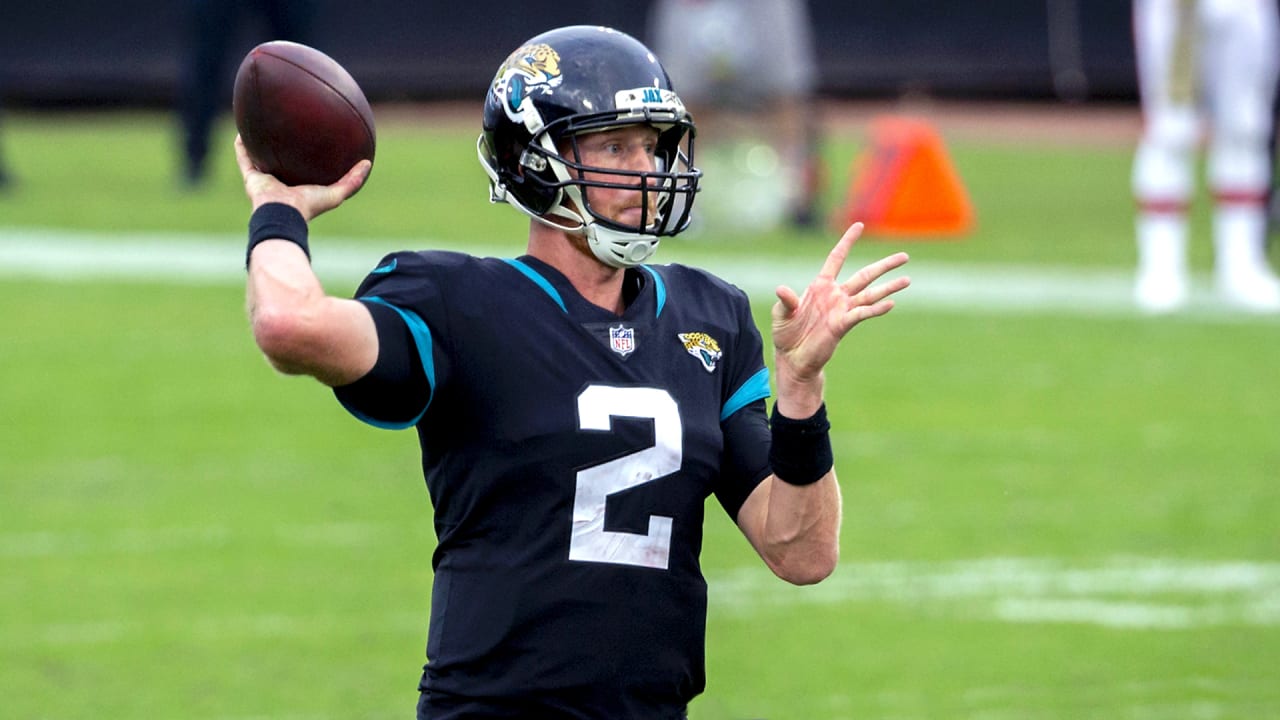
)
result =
(300, 114)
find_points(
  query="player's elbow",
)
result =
(282, 336)
(805, 566)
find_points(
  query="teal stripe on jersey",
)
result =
(422, 339)
(538, 280)
(755, 388)
(660, 289)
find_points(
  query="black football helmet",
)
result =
(576, 80)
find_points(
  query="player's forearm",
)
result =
(802, 524)
(281, 291)
(802, 529)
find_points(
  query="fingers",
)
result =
(351, 183)
(259, 186)
(787, 303)
(870, 273)
(242, 157)
(880, 294)
(323, 198)
(866, 275)
(876, 293)
(866, 312)
(835, 258)
(868, 301)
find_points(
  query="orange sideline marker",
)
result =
(905, 184)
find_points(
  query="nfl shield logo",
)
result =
(622, 340)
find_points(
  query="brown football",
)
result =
(300, 114)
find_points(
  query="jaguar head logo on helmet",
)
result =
(532, 68)
(568, 83)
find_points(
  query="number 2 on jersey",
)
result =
(590, 542)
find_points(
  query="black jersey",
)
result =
(569, 453)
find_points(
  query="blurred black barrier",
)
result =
(128, 52)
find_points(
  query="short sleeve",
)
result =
(396, 392)
(399, 294)
(745, 462)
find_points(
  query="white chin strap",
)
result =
(619, 249)
(612, 247)
(615, 248)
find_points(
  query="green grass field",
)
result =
(1048, 514)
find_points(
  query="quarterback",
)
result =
(575, 406)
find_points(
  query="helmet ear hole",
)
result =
(533, 161)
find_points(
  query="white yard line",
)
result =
(207, 259)
(1120, 592)
(1124, 593)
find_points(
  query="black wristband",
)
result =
(277, 221)
(801, 450)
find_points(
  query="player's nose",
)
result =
(639, 159)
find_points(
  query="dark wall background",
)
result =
(129, 52)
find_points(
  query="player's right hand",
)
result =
(310, 200)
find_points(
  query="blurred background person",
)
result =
(212, 28)
(6, 180)
(747, 70)
(1205, 67)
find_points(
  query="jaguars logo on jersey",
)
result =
(530, 69)
(704, 347)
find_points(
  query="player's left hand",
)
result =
(807, 328)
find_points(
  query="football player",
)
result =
(577, 405)
(1205, 66)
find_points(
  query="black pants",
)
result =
(440, 707)
(211, 29)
